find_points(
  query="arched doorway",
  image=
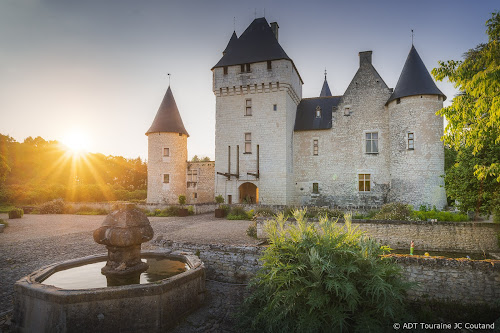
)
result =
(249, 193)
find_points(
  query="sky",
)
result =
(99, 67)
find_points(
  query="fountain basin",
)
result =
(150, 307)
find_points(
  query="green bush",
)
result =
(190, 210)
(16, 213)
(239, 213)
(182, 200)
(324, 211)
(219, 199)
(252, 230)
(264, 211)
(52, 207)
(168, 212)
(394, 211)
(440, 216)
(4, 223)
(324, 278)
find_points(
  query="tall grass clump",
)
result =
(322, 278)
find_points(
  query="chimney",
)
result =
(365, 57)
(274, 28)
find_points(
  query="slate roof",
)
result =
(305, 118)
(168, 119)
(325, 91)
(256, 44)
(231, 44)
(414, 79)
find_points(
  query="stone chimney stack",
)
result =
(365, 57)
(274, 28)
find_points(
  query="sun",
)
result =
(76, 141)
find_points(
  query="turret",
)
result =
(417, 153)
(167, 153)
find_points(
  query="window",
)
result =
(318, 112)
(245, 68)
(347, 111)
(242, 68)
(195, 195)
(225, 70)
(315, 147)
(315, 188)
(192, 175)
(166, 178)
(398, 101)
(248, 107)
(248, 143)
(229, 199)
(275, 107)
(364, 182)
(372, 143)
(411, 143)
(269, 65)
(166, 152)
(248, 68)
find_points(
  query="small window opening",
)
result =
(248, 68)
(275, 107)
(225, 70)
(269, 65)
(248, 143)
(248, 107)
(315, 188)
(315, 147)
(166, 178)
(318, 112)
(398, 101)
(347, 111)
(364, 182)
(411, 142)
(166, 152)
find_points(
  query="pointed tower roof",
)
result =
(325, 91)
(231, 44)
(257, 43)
(168, 119)
(414, 79)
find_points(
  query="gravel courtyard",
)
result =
(38, 240)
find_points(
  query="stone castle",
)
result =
(370, 146)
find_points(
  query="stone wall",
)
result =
(460, 280)
(236, 264)
(431, 236)
(200, 188)
(198, 208)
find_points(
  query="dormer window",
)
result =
(318, 112)
(225, 70)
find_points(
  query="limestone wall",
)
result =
(270, 129)
(464, 281)
(174, 165)
(342, 154)
(200, 189)
(430, 236)
(416, 174)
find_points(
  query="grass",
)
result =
(6, 208)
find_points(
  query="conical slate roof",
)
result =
(325, 91)
(257, 43)
(231, 44)
(414, 79)
(168, 119)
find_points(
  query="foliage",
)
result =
(167, 212)
(239, 213)
(200, 159)
(53, 207)
(264, 211)
(5, 223)
(182, 200)
(324, 211)
(474, 115)
(4, 168)
(440, 216)
(43, 170)
(190, 210)
(86, 210)
(325, 278)
(6, 208)
(394, 211)
(252, 230)
(16, 213)
(219, 199)
(471, 193)
(366, 216)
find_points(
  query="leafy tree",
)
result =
(325, 278)
(474, 116)
(480, 195)
(200, 159)
(4, 168)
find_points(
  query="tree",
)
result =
(474, 116)
(4, 168)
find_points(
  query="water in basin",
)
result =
(89, 276)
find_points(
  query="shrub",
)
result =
(16, 213)
(324, 211)
(252, 230)
(52, 207)
(325, 278)
(169, 211)
(182, 200)
(4, 222)
(239, 213)
(264, 211)
(190, 210)
(219, 199)
(440, 216)
(395, 211)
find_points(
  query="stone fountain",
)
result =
(117, 292)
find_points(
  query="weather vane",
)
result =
(234, 23)
(411, 36)
(325, 73)
(168, 78)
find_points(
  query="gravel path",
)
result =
(35, 241)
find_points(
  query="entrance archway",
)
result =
(249, 193)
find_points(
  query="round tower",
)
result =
(417, 152)
(167, 154)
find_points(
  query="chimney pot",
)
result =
(365, 57)
(274, 28)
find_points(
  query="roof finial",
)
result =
(234, 23)
(168, 79)
(325, 73)
(411, 37)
